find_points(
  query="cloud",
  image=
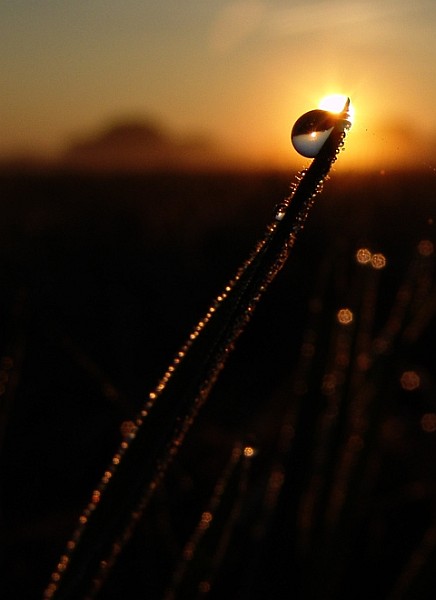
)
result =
(143, 145)
(135, 144)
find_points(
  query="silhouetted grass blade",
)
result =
(146, 452)
(211, 537)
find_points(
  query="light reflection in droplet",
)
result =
(311, 131)
(280, 211)
(96, 494)
(107, 475)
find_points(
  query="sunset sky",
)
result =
(240, 72)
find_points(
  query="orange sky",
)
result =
(241, 72)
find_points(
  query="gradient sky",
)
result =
(241, 71)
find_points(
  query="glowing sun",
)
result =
(335, 104)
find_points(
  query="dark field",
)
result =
(102, 279)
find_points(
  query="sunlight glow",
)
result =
(335, 103)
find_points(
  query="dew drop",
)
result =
(280, 211)
(311, 131)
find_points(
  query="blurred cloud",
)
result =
(131, 133)
(243, 70)
(132, 144)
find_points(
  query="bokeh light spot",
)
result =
(206, 517)
(378, 261)
(425, 248)
(127, 427)
(428, 422)
(410, 380)
(344, 316)
(363, 256)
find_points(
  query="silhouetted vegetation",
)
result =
(102, 279)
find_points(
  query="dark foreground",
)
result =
(102, 279)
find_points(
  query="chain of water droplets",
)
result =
(152, 398)
(284, 225)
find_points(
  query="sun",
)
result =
(335, 103)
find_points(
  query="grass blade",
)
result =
(146, 452)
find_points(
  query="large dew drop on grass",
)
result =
(311, 131)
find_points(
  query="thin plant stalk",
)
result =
(211, 537)
(147, 450)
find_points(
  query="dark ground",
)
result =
(102, 278)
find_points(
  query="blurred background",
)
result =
(220, 83)
(143, 147)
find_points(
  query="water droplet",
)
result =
(311, 131)
(280, 211)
